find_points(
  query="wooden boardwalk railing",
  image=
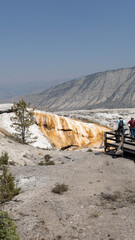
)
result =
(118, 144)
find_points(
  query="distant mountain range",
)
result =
(109, 89)
(13, 89)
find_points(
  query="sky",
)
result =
(51, 40)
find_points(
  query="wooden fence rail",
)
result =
(118, 144)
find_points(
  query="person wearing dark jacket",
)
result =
(121, 123)
(120, 130)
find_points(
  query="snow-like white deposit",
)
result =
(5, 106)
(41, 141)
(104, 117)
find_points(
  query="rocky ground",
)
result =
(98, 205)
(105, 117)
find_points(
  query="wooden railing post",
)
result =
(105, 141)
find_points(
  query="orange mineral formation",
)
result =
(64, 132)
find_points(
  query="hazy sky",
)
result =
(43, 40)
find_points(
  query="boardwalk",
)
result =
(118, 144)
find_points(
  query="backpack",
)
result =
(121, 124)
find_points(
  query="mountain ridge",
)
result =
(108, 89)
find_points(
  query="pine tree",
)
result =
(7, 186)
(22, 120)
(8, 229)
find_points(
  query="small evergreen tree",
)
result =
(4, 158)
(22, 120)
(7, 186)
(7, 228)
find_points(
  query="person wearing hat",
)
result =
(121, 123)
(120, 129)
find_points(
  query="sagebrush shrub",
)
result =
(60, 188)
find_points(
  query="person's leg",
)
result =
(132, 132)
(116, 132)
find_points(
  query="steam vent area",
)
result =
(67, 133)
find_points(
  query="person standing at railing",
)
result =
(121, 123)
(120, 129)
(131, 125)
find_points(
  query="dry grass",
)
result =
(94, 215)
(109, 197)
(60, 188)
(117, 199)
(46, 163)
(47, 157)
(12, 163)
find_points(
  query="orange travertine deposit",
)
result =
(63, 131)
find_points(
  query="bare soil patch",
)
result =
(99, 202)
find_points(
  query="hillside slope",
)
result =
(110, 89)
(99, 203)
